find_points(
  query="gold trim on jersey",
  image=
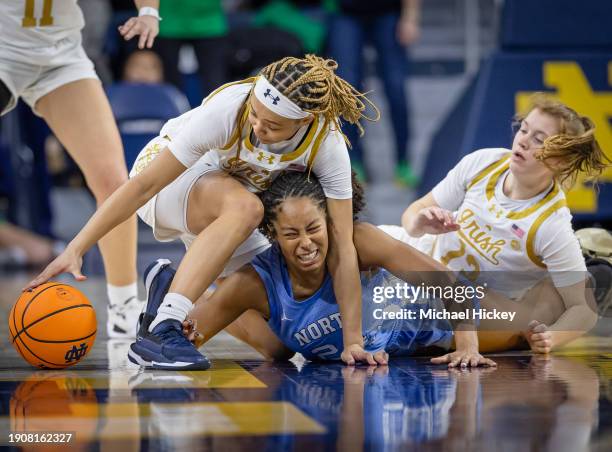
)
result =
(227, 85)
(554, 191)
(243, 115)
(490, 190)
(486, 171)
(315, 147)
(310, 134)
(534, 229)
(516, 215)
(242, 111)
(242, 118)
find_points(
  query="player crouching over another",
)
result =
(283, 301)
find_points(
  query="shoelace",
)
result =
(174, 337)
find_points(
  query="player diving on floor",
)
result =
(500, 217)
(283, 302)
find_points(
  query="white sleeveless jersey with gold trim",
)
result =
(498, 234)
(254, 166)
(31, 24)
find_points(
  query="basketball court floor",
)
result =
(560, 403)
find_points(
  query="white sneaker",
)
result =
(117, 350)
(123, 318)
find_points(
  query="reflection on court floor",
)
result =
(561, 402)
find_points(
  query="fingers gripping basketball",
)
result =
(52, 326)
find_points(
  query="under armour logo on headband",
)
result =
(274, 99)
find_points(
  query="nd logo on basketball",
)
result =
(74, 354)
(573, 88)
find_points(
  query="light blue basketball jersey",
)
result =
(313, 326)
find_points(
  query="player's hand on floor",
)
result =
(145, 26)
(381, 357)
(464, 358)
(539, 337)
(435, 220)
(67, 262)
(355, 353)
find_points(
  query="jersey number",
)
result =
(325, 351)
(471, 260)
(28, 15)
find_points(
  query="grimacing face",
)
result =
(529, 139)
(271, 128)
(301, 231)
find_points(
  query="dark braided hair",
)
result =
(293, 184)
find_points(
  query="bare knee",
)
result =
(249, 209)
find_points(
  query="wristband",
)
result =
(149, 11)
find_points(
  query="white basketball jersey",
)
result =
(38, 23)
(493, 239)
(256, 168)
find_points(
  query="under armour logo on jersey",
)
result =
(261, 157)
(495, 211)
(75, 354)
(274, 99)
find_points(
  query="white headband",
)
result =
(274, 100)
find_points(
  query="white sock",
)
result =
(175, 306)
(120, 294)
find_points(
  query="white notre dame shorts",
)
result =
(30, 73)
(166, 212)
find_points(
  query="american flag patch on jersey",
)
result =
(517, 231)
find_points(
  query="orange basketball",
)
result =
(53, 326)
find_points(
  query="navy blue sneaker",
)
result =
(167, 348)
(157, 278)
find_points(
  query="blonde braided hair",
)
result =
(574, 149)
(311, 82)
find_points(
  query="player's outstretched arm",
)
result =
(146, 24)
(425, 216)
(344, 268)
(376, 248)
(121, 205)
